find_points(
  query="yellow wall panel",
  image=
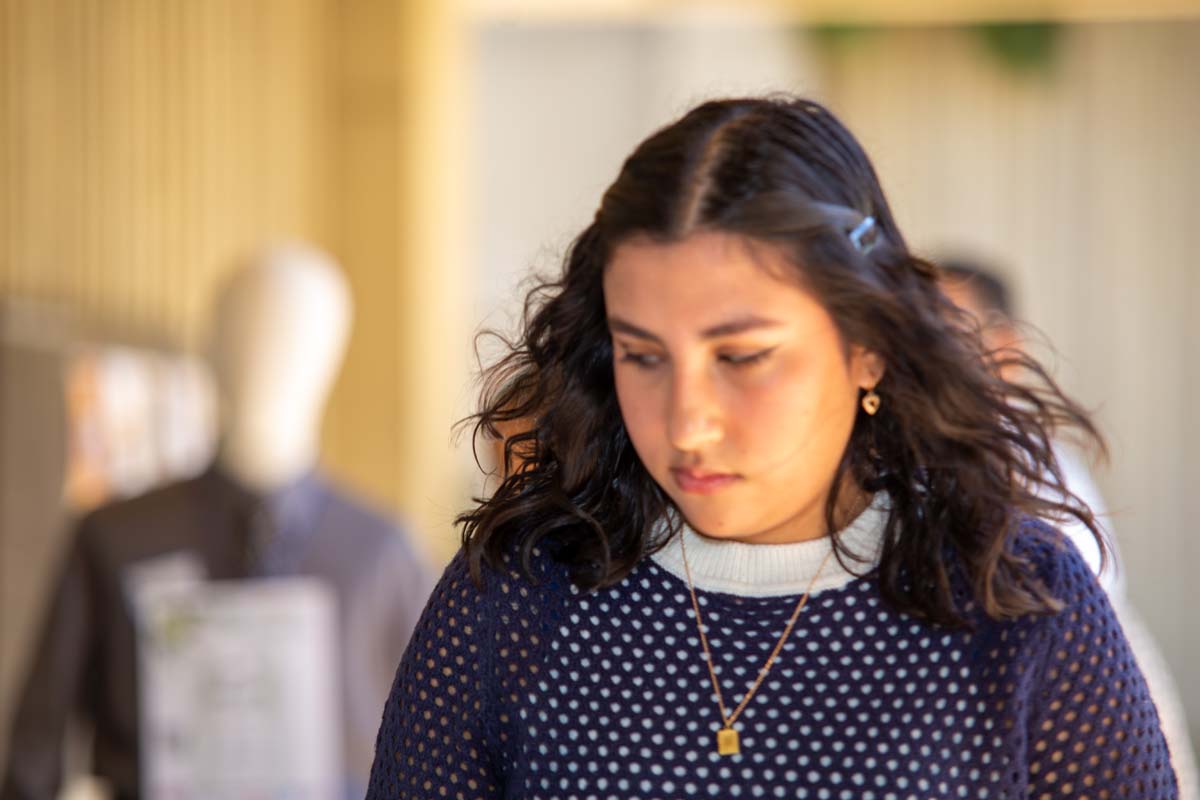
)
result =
(399, 229)
(145, 142)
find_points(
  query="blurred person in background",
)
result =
(262, 510)
(983, 293)
(775, 526)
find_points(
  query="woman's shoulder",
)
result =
(497, 589)
(1047, 564)
(1078, 608)
(1055, 560)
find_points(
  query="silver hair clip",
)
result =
(863, 228)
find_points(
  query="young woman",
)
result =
(771, 530)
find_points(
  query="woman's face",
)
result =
(733, 383)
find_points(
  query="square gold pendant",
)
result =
(727, 742)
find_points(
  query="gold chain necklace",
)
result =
(727, 737)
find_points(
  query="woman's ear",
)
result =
(866, 367)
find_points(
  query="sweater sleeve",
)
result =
(1094, 731)
(436, 736)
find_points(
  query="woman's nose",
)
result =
(694, 418)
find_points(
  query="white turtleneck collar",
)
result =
(768, 570)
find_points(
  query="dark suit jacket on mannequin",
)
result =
(86, 658)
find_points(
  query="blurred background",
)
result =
(440, 151)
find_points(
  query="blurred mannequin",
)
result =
(280, 333)
(263, 509)
(985, 296)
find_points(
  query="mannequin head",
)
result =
(279, 333)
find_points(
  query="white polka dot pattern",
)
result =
(537, 690)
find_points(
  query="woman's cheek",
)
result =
(775, 413)
(775, 396)
(639, 415)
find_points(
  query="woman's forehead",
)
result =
(705, 281)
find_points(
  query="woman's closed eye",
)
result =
(745, 359)
(643, 360)
(648, 360)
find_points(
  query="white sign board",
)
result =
(238, 686)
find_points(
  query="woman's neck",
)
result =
(763, 570)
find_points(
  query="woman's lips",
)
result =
(702, 482)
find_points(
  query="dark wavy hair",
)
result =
(964, 455)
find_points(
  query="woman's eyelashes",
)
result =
(642, 360)
(745, 359)
(645, 360)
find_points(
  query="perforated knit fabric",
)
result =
(524, 690)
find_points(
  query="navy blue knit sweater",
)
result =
(539, 690)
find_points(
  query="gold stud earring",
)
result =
(870, 402)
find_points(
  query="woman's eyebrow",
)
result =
(735, 326)
(618, 325)
(739, 325)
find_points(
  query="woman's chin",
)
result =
(714, 526)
